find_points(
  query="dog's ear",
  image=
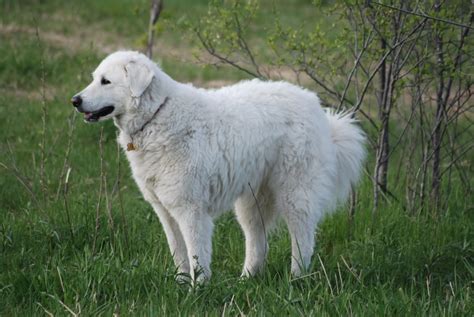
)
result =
(139, 77)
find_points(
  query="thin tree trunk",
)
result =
(380, 141)
(156, 8)
(442, 98)
(438, 124)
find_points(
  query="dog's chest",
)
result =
(155, 172)
(145, 173)
(139, 160)
(143, 167)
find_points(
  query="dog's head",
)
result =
(118, 80)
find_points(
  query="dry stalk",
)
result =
(44, 113)
(22, 179)
(119, 193)
(351, 213)
(108, 202)
(66, 205)
(101, 189)
(67, 154)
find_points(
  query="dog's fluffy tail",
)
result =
(349, 140)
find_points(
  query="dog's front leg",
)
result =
(175, 240)
(196, 227)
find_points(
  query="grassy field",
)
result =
(95, 247)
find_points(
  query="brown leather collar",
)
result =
(131, 145)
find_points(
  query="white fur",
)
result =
(207, 151)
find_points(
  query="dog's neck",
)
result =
(143, 109)
(152, 117)
(136, 121)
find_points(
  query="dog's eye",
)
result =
(104, 81)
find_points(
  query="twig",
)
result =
(245, 47)
(457, 158)
(210, 49)
(423, 15)
(356, 64)
(338, 96)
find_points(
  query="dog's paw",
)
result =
(183, 279)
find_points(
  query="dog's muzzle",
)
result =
(96, 115)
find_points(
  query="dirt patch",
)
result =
(83, 39)
(93, 37)
(50, 92)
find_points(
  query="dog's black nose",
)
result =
(76, 101)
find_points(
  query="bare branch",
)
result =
(210, 49)
(423, 15)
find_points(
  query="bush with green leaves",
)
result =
(403, 66)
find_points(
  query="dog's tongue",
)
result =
(87, 115)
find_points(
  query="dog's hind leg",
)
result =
(255, 216)
(301, 219)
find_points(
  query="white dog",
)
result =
(265, 148)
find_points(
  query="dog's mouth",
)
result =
(96, 115)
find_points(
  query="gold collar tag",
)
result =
(131, 147)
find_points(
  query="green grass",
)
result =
(54, 260)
